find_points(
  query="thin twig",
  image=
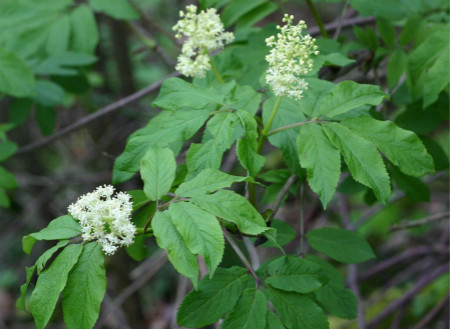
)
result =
(152, 24)
(428, 220)
(422, 283)
(380, 267)
(252, 252)
(182, 287)
(314, 31)
(241, 255)
(352, 269)
(158, 260)
(95, 116)
(279, 200)
(432, 313)
(340, 19)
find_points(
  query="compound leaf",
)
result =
(168, 238)
(402, 147)
(321, 160)
(85, 288)
(363, 160)
(200, 231)
(247, 313)
(215, 297)
(50, 284)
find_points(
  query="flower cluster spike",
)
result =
(204, 33)
(105, 218)
(290, 58)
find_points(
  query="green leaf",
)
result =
(46, 117)
(273, 322)
(16, 78)
(215, 297)
(348, 95)
(42, 260)
(207, 181)
(7, 180)
(402, 147)
(176, 93)
(387, 31)
(60, 228)
(168, 238)
(84, 30)
(200, 231)
(317, 90)
(86, 286)
(64, 64)
(341, 245)
(119, 9)
(285, 233)
(396, 66)
(291, 273)
(334, 276)
(389, 9)
(19, 111)
(341, 302)
(363, 160)
(440, 157)
(256, 15)
(237, 8)
(221, 131)
(410, 29)
(20, 303)
(4, 199)
(429, 67)
(50, 284)
(321, 161)
(412, 186)
(367, 37)
(58, 36)
(243, 98)
(288, 112)
(297, 311)
(158, 168)
(165, 129)
(247, 313)
(234, 208)
(7, 149)
(246, 146)
(48, 93)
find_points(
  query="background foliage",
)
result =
(66, 66)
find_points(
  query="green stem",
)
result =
(290, 126)
(216, 72)
(318, 19)
(142, 231)
(265, 131)
(262, 139)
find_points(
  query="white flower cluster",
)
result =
(289, 58)
(105, 218)
(204, 33)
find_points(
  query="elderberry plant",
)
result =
(258, 90)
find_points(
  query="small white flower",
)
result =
(105, 218)
(289, 58)
(204, 33)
